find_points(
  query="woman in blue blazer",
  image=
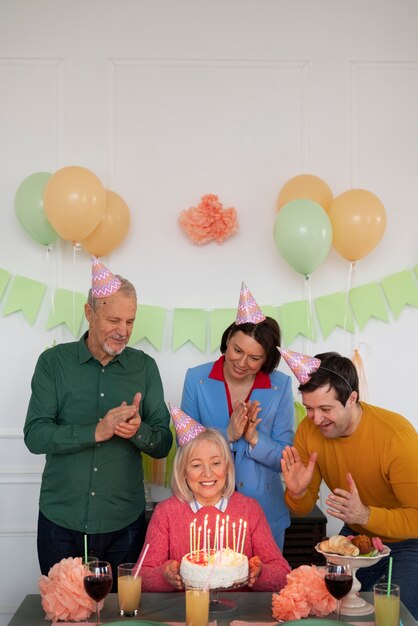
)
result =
(251, 404)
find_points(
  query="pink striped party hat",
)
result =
(186, 427)
(248, 309)
(103, 282)
(301, 365)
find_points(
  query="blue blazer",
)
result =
(257, 470)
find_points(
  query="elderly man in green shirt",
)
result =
(96, 405)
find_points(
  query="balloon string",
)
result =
(51, 282)
(347, 293)
(308, 297)
(76, 247)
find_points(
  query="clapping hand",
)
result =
(238, 421)
(123, 420)
(347, 506)
(297, 476)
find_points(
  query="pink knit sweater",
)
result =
(169, 538)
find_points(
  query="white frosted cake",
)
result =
(230, 569)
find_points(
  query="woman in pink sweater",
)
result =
(203, 484)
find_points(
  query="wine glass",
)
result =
(338, 581)
(98, 582)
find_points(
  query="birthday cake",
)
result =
(222, 570)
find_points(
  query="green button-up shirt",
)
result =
(87, 486)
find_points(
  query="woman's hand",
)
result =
(255, 570)
(172, 574)
(238, 421)
(250, 433)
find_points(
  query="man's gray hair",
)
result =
(126, 288)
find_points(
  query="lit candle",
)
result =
(208, 544)
(221, 537)
(243, 537)
(205, 532)
(239, 534)
(199, 530)
(233, 535)
(194, 535)
(227, 532)
(191, 538)
(216, 538)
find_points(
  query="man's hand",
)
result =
(255, 570)
(117, 421)
(128, 429)
(171, 573)
(296, 475)
(347, 506)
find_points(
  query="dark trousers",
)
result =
(404, 570)
(121, 546)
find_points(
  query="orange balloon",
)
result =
(74, 202)
(308, 187)
(111, 229)
(358, 221)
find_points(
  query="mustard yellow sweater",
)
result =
(382, 456)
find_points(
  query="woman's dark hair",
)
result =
(336, 371)
(266, 333)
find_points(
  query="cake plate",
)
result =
(217, 605)
(353, 604)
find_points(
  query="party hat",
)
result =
(186, 427)
(301, 365)
(103, 282)
(248, 309)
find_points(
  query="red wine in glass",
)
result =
(98, 582)
(338, 581)
(97, 587)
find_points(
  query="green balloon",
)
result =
(303, 235)
(29, 207)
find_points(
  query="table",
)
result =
(170, 607)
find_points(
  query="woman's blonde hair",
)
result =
(179, 484)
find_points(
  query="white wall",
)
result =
(166, 101)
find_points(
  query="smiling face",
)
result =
(110, 325)
(206, 472)
(327, 413)
(244, 357)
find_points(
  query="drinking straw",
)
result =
(85, 549)
(141, 561)
(206, 587)
(389, 575)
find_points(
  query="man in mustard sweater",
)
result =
(368, 458)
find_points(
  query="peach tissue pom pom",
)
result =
(63, 594)
(305, 594)
(208, 221)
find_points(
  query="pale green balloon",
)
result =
(303, 235)
(29, 207)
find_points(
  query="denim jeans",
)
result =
(404, 570)
(121, 546)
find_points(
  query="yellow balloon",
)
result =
(308, 187)
(358, 221)
(112, 227)
(74, 202)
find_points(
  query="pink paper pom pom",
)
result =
(208, 221)
(305, 594)
(62, 592)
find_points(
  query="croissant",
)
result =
(337, 544)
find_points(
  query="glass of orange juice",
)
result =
(129, 590)
(386, 604)
(197, 606)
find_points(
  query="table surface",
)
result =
(163, 607)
